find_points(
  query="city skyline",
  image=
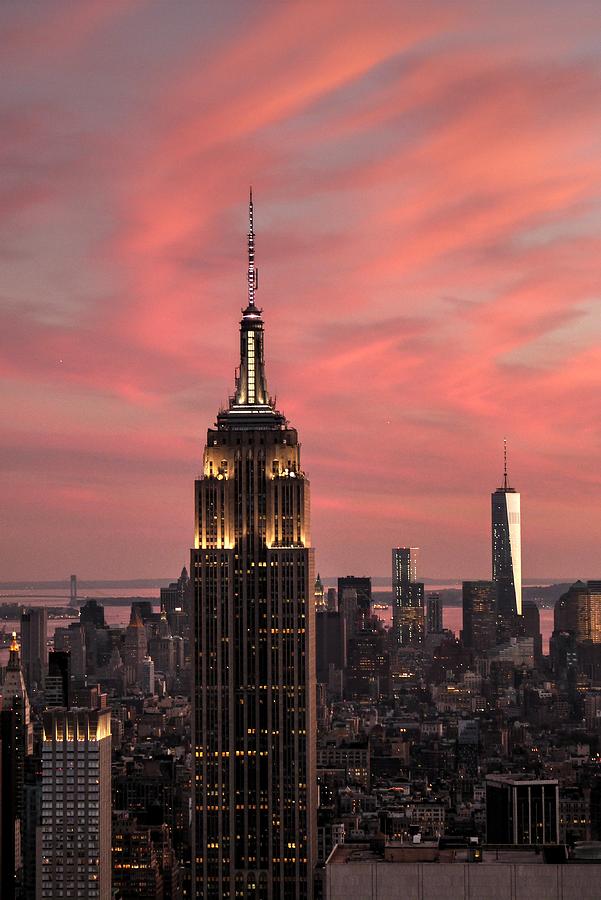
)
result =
(429, 208)
(415, 303)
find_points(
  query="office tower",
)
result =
(16, 736)
(332, 601)
(135, 645)
(144, 610)
(34, 647)
(58, 679)
(73, 590)
(433, 613)
(146, 676)
(32, 818)
(319, 595)
(136, 864)
(254, 645)
(479, 616)
(521, 810)
(348, 608)
(92, 613)
(176, 603)
(404, 565)
(330, 631)
(162, 649)
(507, 550)
(74, 856)
(531, 625)
(407, 598)
(174, 598)
(578, 612)
(468, 738)
(73, 640)
(368, 666)
(362, 587)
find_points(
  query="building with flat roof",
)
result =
(379, 871)
(521, 810)
(74, 845)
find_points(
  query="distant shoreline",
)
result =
(378, 581)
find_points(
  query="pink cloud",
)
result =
(428, 195)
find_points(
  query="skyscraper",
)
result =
(135, 645)
(479, 616)
(521, 809)
(319, 595)
(578, 611)
(58, 680)
(434, 613)
(407, 598)
(507, 549)
(362, 587)
(254, 648)
(16, 736)
(75, 833)
(34, 649)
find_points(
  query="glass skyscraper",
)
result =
(252, 569)
(507, 549)
(407, 597)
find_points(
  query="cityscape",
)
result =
(350, 685)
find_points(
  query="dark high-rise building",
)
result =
(16, 736)
(330, 629)
(174, 597)
(92, 613)
(578, 612)
(433, 613)
(32, 818)
(73, 640)
(479, 616)
(362, 586)
(319, 595)
(58, 680)
(521, 810)
(368, 664)
(531, 624)
(507, 549)
(137, 871)
(407, 598)
(254, 828)
(34, 647)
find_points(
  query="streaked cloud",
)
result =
(428, 203)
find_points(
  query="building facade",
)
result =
(407, 598)
(507, 549)
(578, 611)
(434, 624)
(74, 850)
(479, 615)
(34, 648)
(254, 829)
(16, 737)
(521, 810)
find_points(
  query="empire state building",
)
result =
(254, 827)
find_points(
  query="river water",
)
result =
(452, 616)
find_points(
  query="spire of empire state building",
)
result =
(251, 400)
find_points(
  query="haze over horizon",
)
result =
(427, 208)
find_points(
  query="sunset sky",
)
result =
(427, 183)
